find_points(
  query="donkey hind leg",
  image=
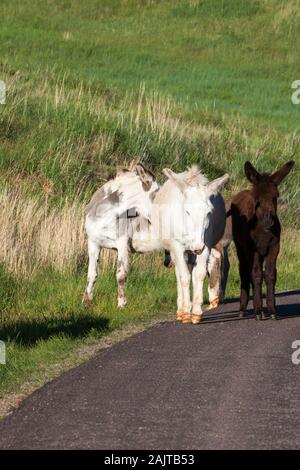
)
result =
(122, 271)
(199, 274)
(94, 253)
(214, 268)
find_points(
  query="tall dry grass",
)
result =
(33, 236)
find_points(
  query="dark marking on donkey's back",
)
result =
(256, 234)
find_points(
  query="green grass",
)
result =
(234, 56)
(92, 85)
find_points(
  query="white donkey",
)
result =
(218, 263)
(187, 215)
(128, 194)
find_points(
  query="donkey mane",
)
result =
(195, 177)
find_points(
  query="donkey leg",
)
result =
(94, 252)
(270, 276)
(224, 273)
(183, 276)
(214, 270)
(180, 307)
(122, 271)
(199, 273)
(257, 278)
(245, 278)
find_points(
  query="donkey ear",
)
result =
(251, 173)
(216, 185)
(169, 173)
(179, 182)
(145, 176)
(279, 175)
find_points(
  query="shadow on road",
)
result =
(27, 332)
(232, 314)
(289, 310)
(290, 292)
(215, 317)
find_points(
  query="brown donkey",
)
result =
(256, 234)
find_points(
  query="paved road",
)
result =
(227, 383)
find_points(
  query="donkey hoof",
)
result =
(196, 319)
(86, 300)
(274, 316)
(264, 316)
(186, 318)
(122, 303)
(214, 303)
(242, 313)
(258, 316)
(179, 315)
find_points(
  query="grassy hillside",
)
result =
(92, 86)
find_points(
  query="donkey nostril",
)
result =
(268, 220)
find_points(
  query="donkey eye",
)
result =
(257, 204)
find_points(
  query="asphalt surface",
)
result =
(227, 383)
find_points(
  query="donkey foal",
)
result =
(256, 234)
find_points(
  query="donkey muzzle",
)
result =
(198, 251)
(268, 221)
(168, 262)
